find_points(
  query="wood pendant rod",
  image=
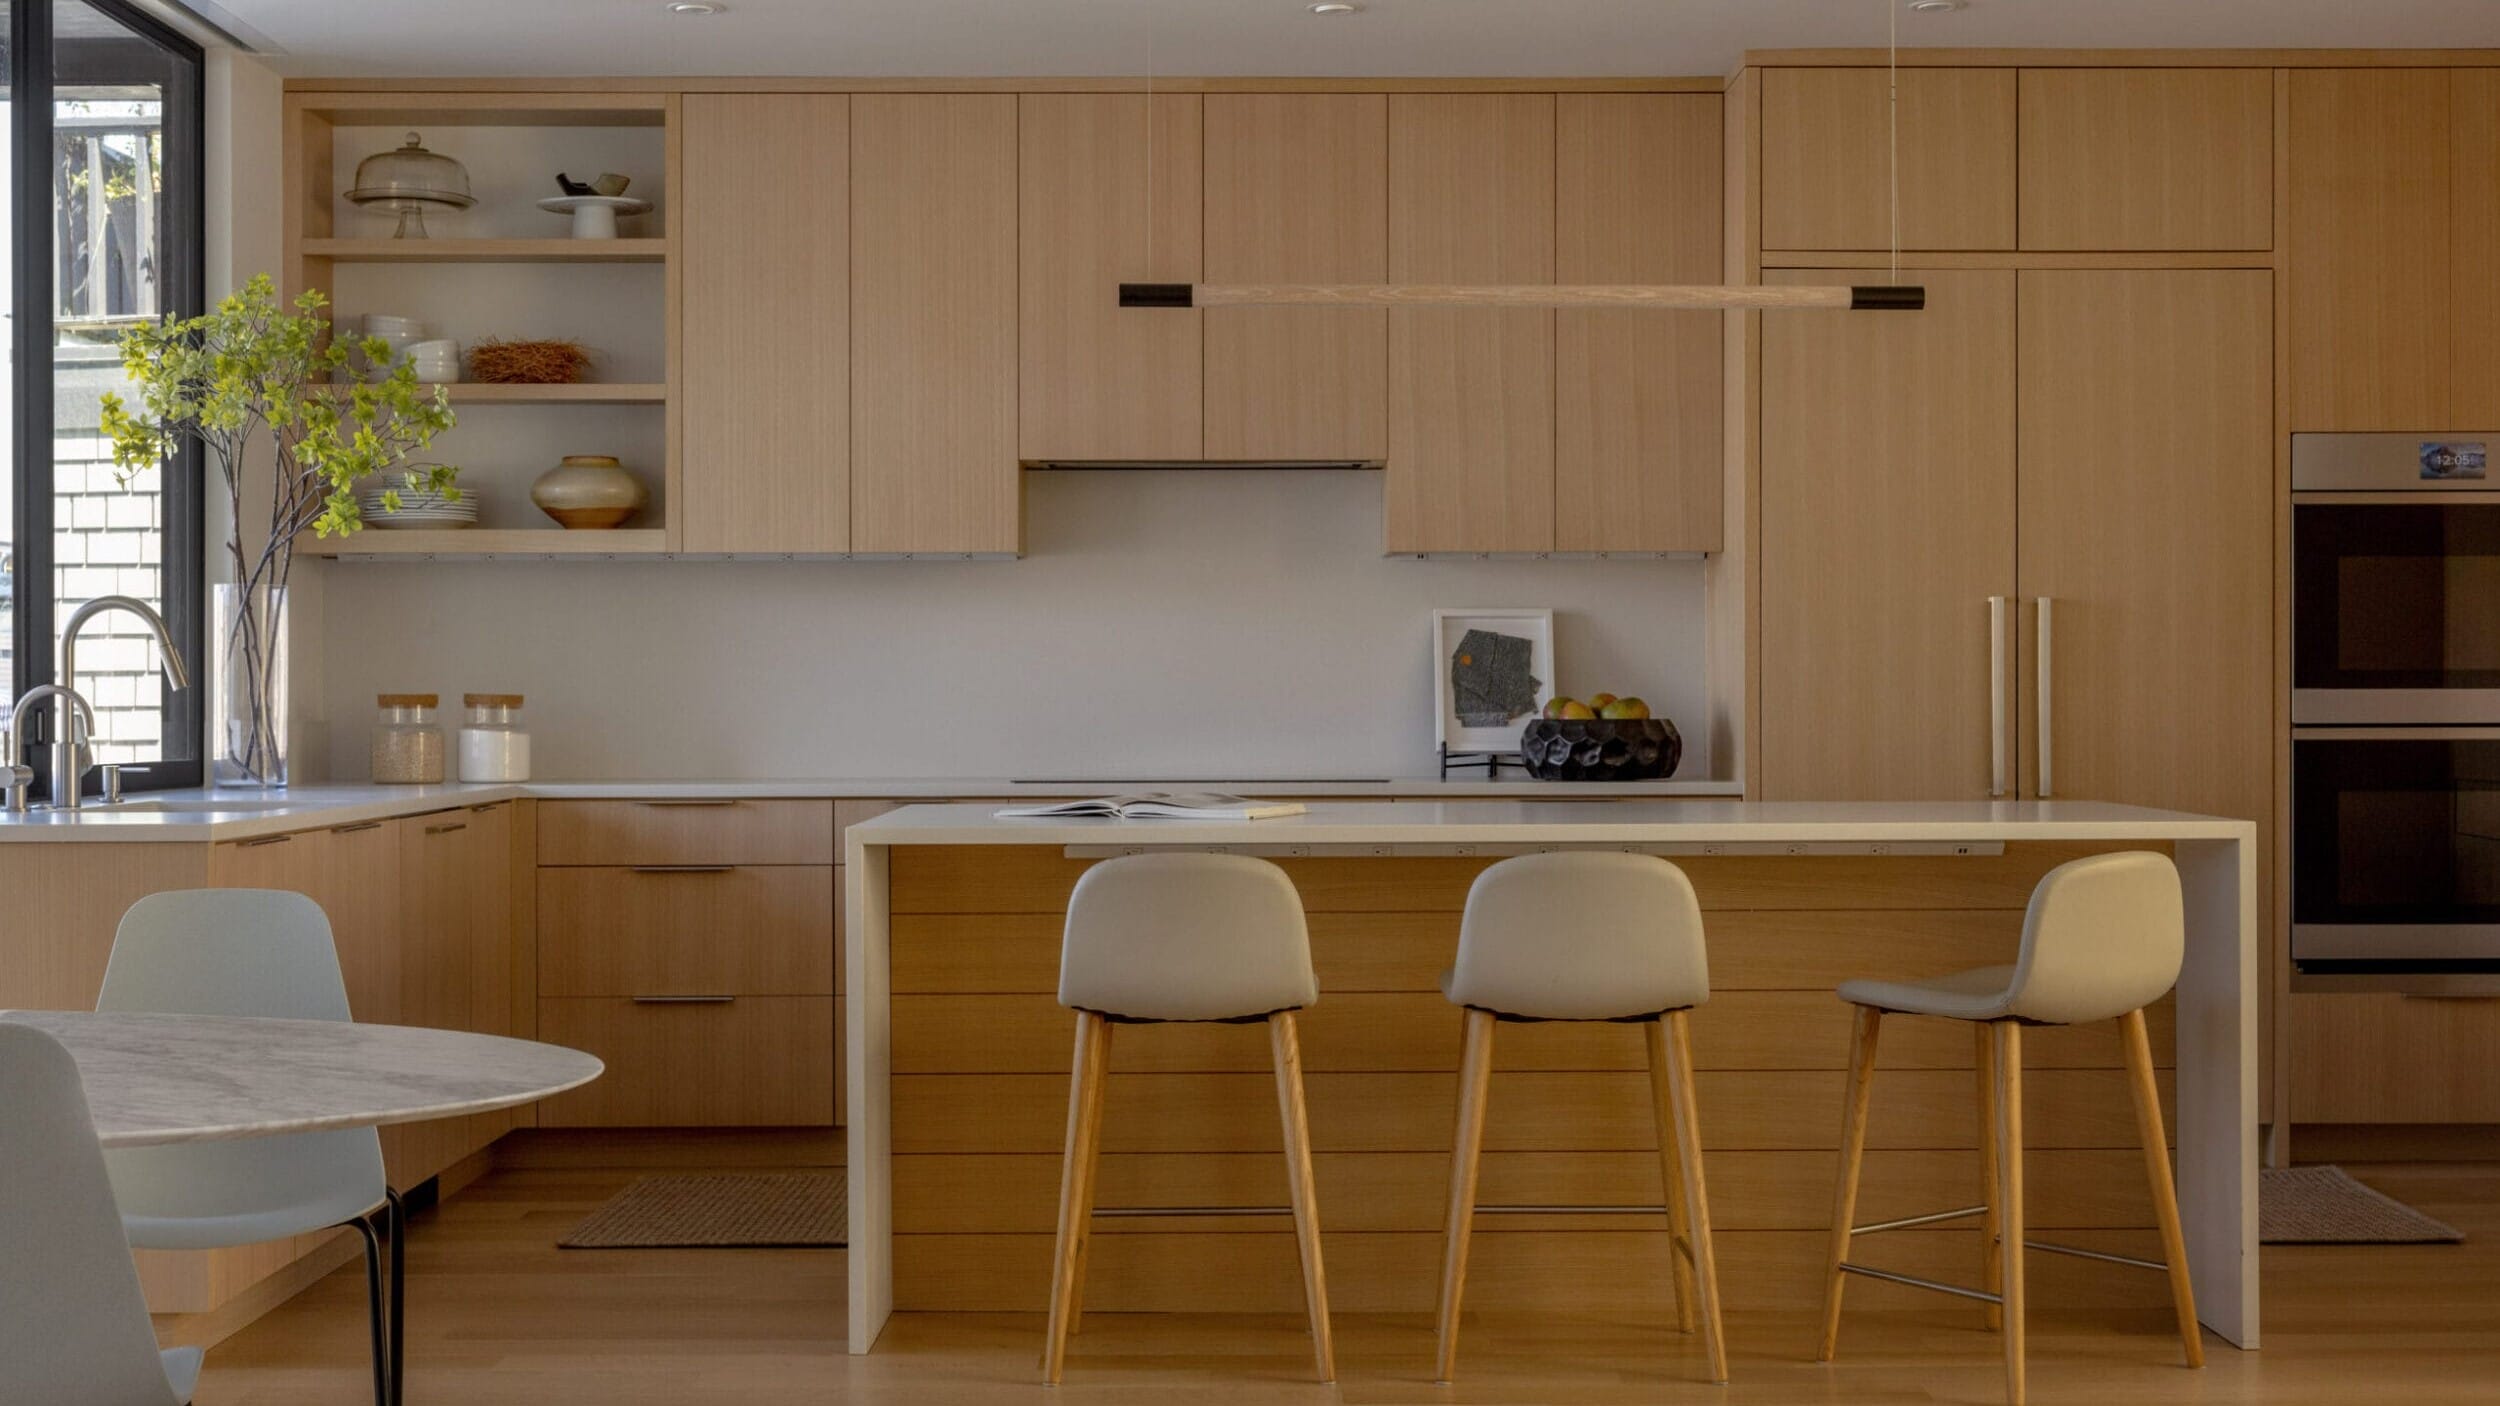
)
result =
(1703, 297)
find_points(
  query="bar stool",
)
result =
(2102, 939)
(1586, 935)
(1158, 938)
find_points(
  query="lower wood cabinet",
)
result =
(455, 963)
(703, 930)
(723, 1061)
(2379, 1057)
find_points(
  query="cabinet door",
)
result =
(933, 323)
(2369, 249)
(1297, 191)
(1471, 390)
(764, 239)
(1107, 192)
(2147, 488)
(2474, 247)
(455, 961)
(1827, 159)
(1636, 394)
(2147, 158)
(1887, 524)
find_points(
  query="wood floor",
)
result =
(499, 1317)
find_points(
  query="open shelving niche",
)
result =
(505, 268)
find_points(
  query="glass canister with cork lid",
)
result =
(407, 745)
(493, 744)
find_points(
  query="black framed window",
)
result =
(104, 222)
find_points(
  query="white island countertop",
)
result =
(195, 816)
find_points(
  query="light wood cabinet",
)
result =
(2379, 1057)
(1826, 158)
(1888, 521)
(455, 962)
(2370, 250)
(1297, 189)
(1108, 192)
(1637, 394)
(766, 322)
(2474, 247)
(1471, 390)
(2147, 158)
(2146, 484)
(704, 930)
(685, 831)
(752, 1061)
(933, 324)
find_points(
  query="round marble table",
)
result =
(157, 1079)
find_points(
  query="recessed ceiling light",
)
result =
(695, 7)
(1936, 7)
(1334, 7)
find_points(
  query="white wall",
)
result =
(1181, 623)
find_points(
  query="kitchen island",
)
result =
(957, 1056)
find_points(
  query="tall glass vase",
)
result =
(247, 657)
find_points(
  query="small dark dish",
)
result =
(1601, 749)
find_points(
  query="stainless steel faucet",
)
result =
(67, 770)
(17, 778)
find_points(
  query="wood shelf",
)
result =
(490, 541)
(488, 251)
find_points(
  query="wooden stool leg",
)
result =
(1286, 1044)
(1076, 1183)
(1675, 1041)
(1475, 1077)
(2157, 1171)
(1852, 1153)
(1092, 1161)
(2009, 1173)
(1671, 1173)
(1990, 1231)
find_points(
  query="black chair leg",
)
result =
(399, 1295)
(373, 1301)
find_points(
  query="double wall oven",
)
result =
(2395, 845)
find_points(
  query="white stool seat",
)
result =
(1982, 993)
(1580, 935)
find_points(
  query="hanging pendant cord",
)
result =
(1892, 116)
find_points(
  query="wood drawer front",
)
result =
(685, 832)
(2378, 1057)
(706, 931)
(757, 1061)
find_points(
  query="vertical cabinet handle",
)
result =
(1996, 697)
(2048, 733)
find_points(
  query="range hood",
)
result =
(1060, 464)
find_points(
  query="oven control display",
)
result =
(2452, 459)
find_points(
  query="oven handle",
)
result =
(2314, 733)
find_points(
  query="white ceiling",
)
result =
(1264, 37)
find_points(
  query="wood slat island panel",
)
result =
(981, 1048)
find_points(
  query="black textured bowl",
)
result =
(1601, 749)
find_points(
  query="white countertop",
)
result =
(196, 816)
(1854, 825)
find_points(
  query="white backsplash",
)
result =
(1171, 622)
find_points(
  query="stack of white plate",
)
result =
(418, 507)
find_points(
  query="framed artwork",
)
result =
(1492, 670)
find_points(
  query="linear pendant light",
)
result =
(1894, 296)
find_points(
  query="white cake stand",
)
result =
(594, 216)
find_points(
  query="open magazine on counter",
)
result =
(1161, 805)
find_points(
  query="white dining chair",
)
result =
(74, 1326)
(253, 952)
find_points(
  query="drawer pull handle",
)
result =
(263, 840)
(446, 829)
(683, 1000)
(357, 828)
(685, 869)
(685, 805)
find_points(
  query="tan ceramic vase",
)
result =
(588, 491)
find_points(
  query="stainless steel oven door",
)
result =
(2396, 857)
(2395, 612)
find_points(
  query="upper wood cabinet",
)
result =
(2373, 258)
(933, 323)
(1888, 521)
(1637, 394)
(766, 322)
(1471, 390)
(1297, 192)
(2147, 158)
(2474, 242)
(1825, 159)
(1108, 192)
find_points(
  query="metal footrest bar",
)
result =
(1193, 1210)
(2102, 1255)
(1931, 1218)
(1958, 1290)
